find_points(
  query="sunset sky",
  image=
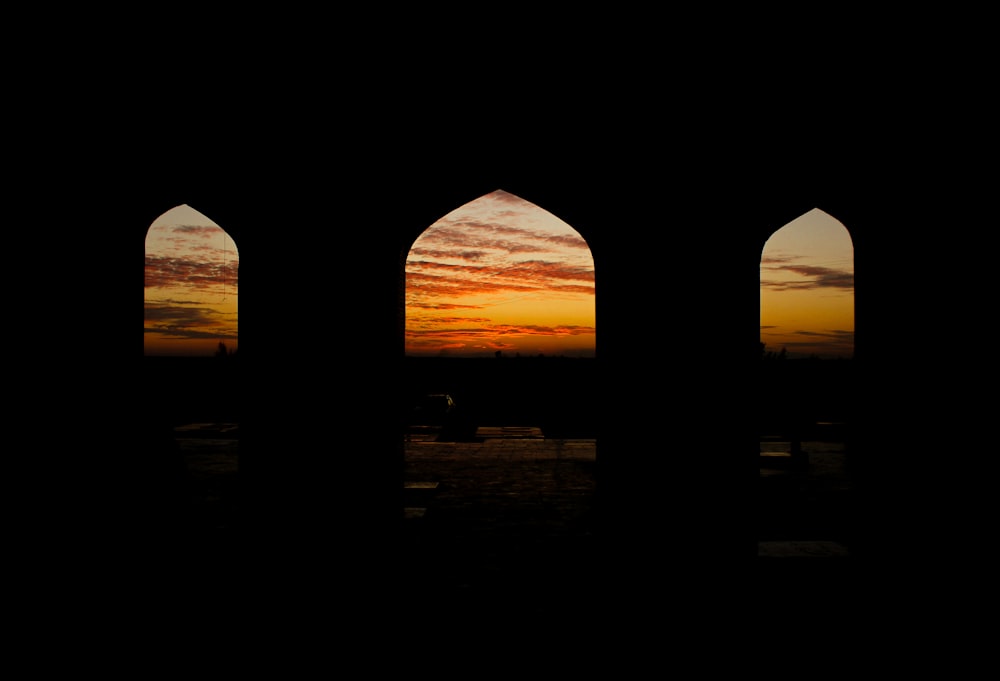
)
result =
(191, 290)
(807, 288)
(500, 274)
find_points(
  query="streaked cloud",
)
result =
(807, 288)
(185, 322)
(191, 285)
(503, 260)
(189, 272)
(783, 274)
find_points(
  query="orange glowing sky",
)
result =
(807, 288)
(191, 290)
(500, 274)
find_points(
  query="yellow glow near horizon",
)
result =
(807, 288)
(500, 274)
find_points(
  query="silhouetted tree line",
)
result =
(224, 352)
(796, 392)
(771, 354)
(187, 389)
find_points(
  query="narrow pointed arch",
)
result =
(806, 329)
(191, 371)
(191, 286)
(807, 289)
(504, 287)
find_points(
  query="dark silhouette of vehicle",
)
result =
(440, 415)
(435, 409)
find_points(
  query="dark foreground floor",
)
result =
(503, 521)
(499, 552)
(508, 522)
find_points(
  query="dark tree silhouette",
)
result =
(770, 354)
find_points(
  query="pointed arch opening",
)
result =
(191, 287)
(191, 363)
(806, 338)
(807, 289)
(500, 276)
(500, 308)
(500, 352)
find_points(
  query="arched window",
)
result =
(499, 276)
(500, 316)
(500, 344)
(191, 366)
(806, 328)
(807, 289)
(191, 287)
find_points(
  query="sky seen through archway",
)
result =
(500, 275)
(191, 286)
(807, 289)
